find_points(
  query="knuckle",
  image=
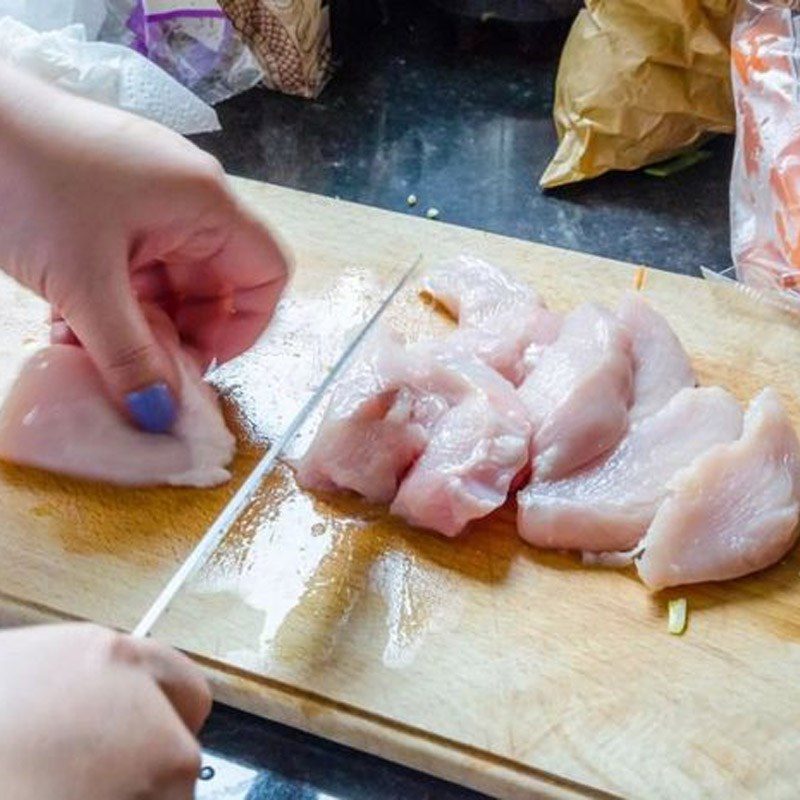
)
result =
(128, 357)
(211, 183)
(121, 648)
(211, 167)
(186, 760)
(178, 769)
(206, 173)
(108, 646)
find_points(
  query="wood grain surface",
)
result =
(481, 660)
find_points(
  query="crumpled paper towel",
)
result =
(638, 82)
(109, 73)
(45, 15)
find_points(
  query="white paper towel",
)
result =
(108, 73)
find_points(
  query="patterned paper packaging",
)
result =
(290, 38)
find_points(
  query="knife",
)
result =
(220, 526)
(214, 768)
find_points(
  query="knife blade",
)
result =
(220, 526)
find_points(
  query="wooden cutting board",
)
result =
(480, 660)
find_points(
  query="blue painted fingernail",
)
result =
(153, 408)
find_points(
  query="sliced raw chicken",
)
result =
(402, 401)
(609, 505)
(499, 318)
(661, 366)
(734, 510)
(474, 453)
(58, 417)
(374, 428)
(579, 391)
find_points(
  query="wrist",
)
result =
(25, 104)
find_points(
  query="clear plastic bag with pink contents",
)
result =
(765, 182)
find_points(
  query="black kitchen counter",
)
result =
(459, 116)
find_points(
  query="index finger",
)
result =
(256, 270)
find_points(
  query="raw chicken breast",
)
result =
(58, 417)
(579, 391)
(609, 505)
(498, 318)
(661, 366)
(400, 402)
(474, 452)
(734, 510)
(375, 426)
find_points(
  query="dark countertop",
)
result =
(461, 117)
(469, 131)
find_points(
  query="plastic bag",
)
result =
(639, 81)
(765, 181)
(192, 40)
(46, 15)
(109, 73)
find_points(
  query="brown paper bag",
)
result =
(639, 81)
(290, 38)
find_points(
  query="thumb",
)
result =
(111, 325)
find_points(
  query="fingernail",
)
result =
(153, 408)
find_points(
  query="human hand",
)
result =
(105, 214)
(89, 713)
